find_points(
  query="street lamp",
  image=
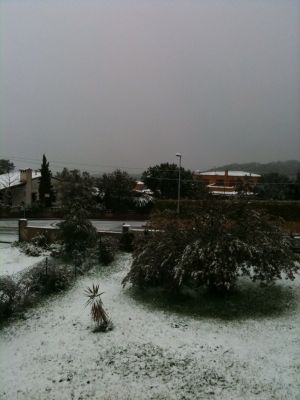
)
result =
(178, 199)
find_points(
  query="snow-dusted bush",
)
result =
(8, 292)
(143, 201)
(77, 231)
(106, 250)
(40, 280)
(37, 246)
(40, 241)
(27, 288)
(126, 241)
(56, 250)
(213, 249)
(30, 249)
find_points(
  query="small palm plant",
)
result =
(99, 315)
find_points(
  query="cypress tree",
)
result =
(46, 194)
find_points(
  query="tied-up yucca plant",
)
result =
(99, 316)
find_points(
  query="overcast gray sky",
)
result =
(129, 83)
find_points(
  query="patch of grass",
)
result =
(248, 301)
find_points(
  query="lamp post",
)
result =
(178, 199)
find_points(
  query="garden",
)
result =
(178, 331)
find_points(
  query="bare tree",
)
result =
(7, 181)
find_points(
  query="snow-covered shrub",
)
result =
(56, 280)
(77, 231)
(143, 201)
(29, 249)
(46, 278)
(43, 279)
(126, 241)
(106, 250)
(56, 250)
(40, 241)
(8, 292)
(37, 246)
(213, 249)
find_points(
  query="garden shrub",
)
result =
(40, 241)
(56, 250)
(37, 246)
(213, 249)
(106, 250)
(27, 288)
(52, 280)
(126, 242)
(78, 233)
(8, 293)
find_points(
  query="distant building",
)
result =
(21, 187)
(227, 182)
(140, 188)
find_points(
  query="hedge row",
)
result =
(289, 210)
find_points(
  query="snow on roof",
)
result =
(139, 182)
(213, 185)
(230, 173)
(233, 193)
(13, 179)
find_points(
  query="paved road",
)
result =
(9, 227)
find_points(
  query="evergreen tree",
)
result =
(77, 231)
(162, 179)
(46, 194)
(117, 188)
(6, 166)
(77, 188)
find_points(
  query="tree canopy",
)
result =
(76, 188)
(275, 186)
(6, 166)
(77, 231)
(117, 189)
(162, 179)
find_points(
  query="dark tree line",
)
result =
(274, 186)
(112, 191)
(6, 166)
(163, 181)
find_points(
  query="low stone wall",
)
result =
(26, 233)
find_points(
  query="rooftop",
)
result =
(230, 173)
(14, 179)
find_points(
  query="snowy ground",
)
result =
(12, 260)
(154, 352)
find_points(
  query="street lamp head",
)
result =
(178, 154)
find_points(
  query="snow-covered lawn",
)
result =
(153, 352)
(12, 260)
